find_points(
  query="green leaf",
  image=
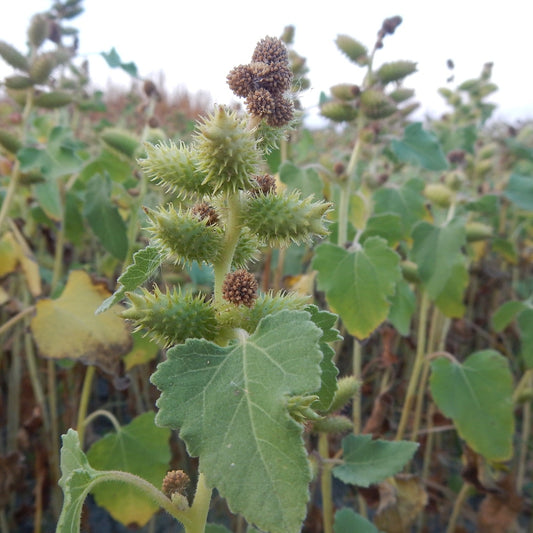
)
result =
(74, 227)
(506, 313)
(50, 199)
(326, 322)
(77, 477)
(368, 461)
(305, 180)
(420, 147)
(107, 162)
(358, 284)
(230, 404)
(403, 305)
(346, 521)
(487, 204)
(385, 225)
(525, 324)
(477, 396)
(406, 201)
(441, 265)
(113, 60)
(104, 218)
(462, 138)
(519, 190)
(145, 263)
(216, 528)
(140, 448)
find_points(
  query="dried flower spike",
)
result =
(266, 184)
(240, 288)
(270, 50)
(207, 212)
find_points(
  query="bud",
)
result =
(270, 50)
(226, 151)
(18, 82)
(410, 271)
(395, 71)
(377, 105)
(184, 237)
(401, 94)
(439, 194)
(477, 231)
(346, 389)
(121, 141)
(53, 100)
(13, 57)
(488, 151)
(240, 288)
(280, 220)
(175, 481)
(353, 49)
(41, 67)
(483, 167)
(38, 30)
(9, 142)
(288, 34)
(338, 111)
(454, 179)
(171, 317)
(345, 91)
(175, 169)
(333, 424)
(247, 249)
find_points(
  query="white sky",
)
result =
(196, 43)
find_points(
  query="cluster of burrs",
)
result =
(265, 82)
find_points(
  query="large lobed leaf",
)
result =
(230, 404)
(477, 396)
(359, 283)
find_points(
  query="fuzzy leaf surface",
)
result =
(326, 322)
(346, 521)
(420, 147)
(306, 180)
(368, 461)
(140, 448)
(145, 263)
(77, 477)
(358, 284)
(477, 396)
(230, 404)
(441, 264)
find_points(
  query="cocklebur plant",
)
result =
(245, 370)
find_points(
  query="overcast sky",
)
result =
(197, 43)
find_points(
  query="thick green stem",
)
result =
(417, 367)
(223, 265)
(525, 439)
(200, 507)
(326, 483)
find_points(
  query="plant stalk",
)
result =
(417, 367)
(84, 401)
(326, 483)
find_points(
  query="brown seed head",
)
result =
(456, 156)
(260, 103)
(389, 25)
(283, 113)
(175, 481)
(266, 184)
(270, 50)
(205, 211)
(240, 288)
(241, 80)
(275, 78)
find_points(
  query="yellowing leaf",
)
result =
(143, 350)
(13, 252)
(67, 328)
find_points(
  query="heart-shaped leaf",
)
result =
(358, 284)
(368, 461)
(230, 404)
(477, 396)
